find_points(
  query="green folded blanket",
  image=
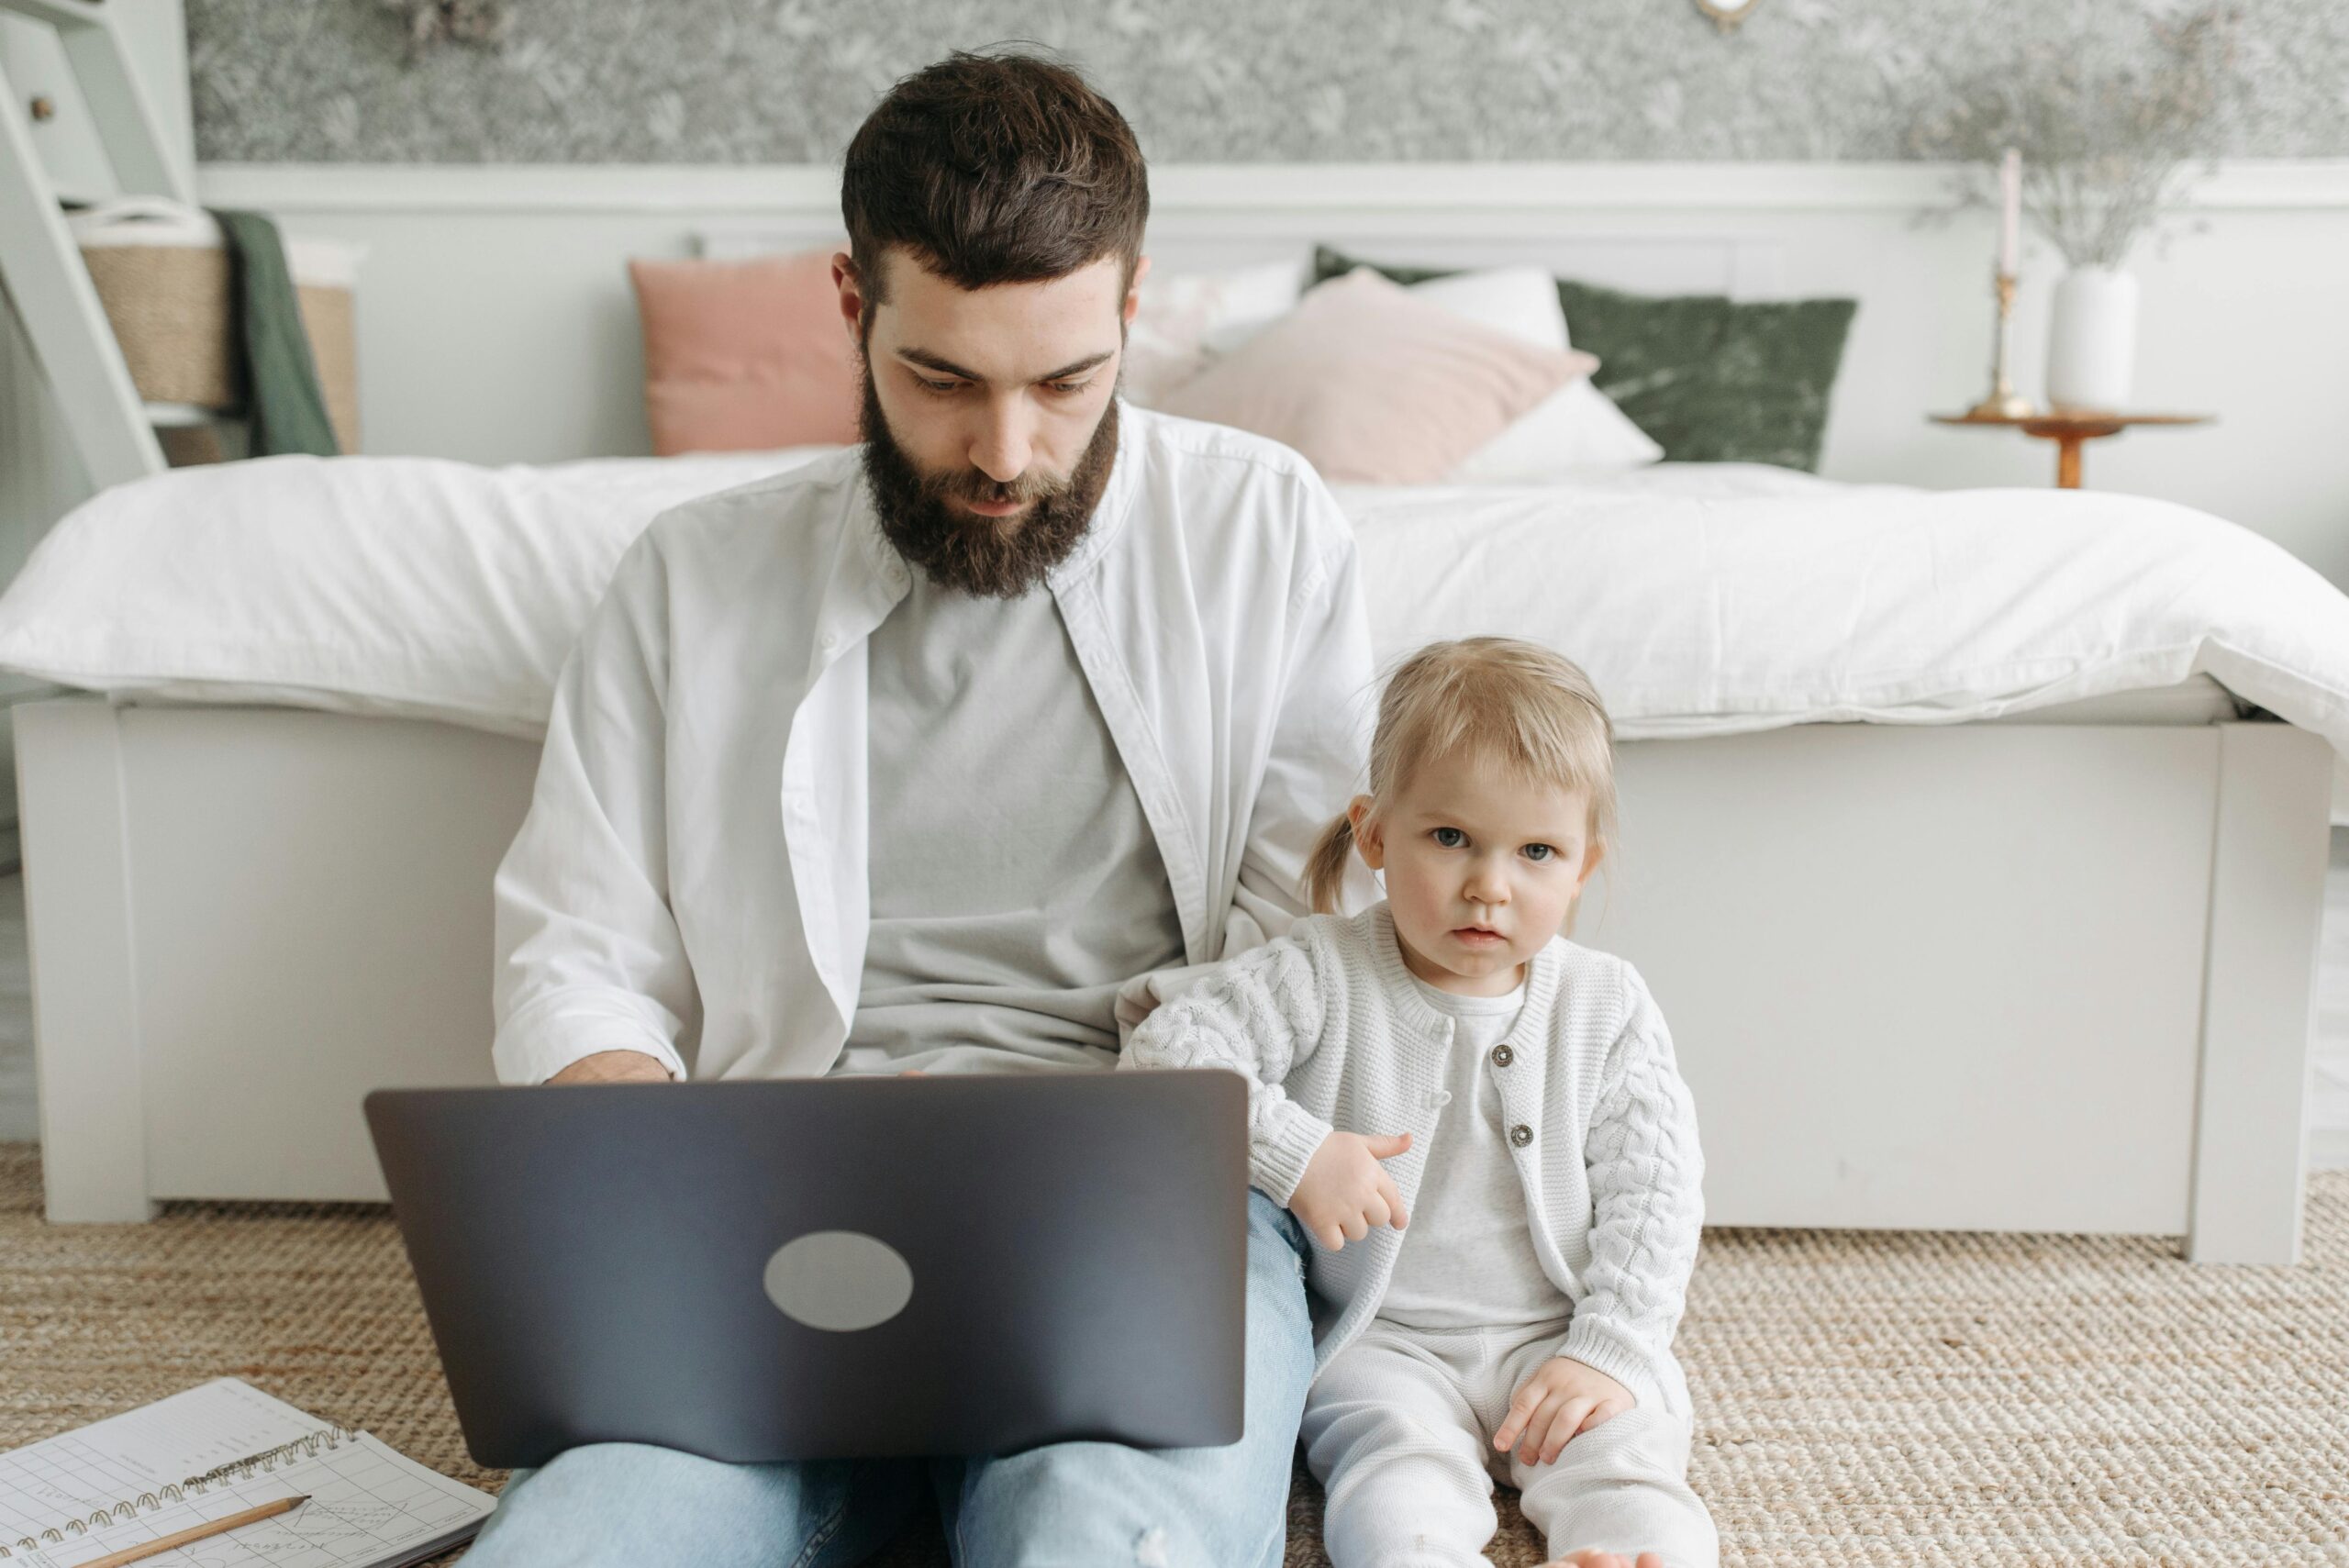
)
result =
(284, 405)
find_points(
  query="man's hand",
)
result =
(1562, 1398)
(614, 1067)
(1345, 1191)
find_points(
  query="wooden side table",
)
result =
(2071, 431)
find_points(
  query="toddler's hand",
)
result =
(1345, 1191)
(1591, 1557)
(1562, 1400)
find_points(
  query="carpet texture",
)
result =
(1873, 1397)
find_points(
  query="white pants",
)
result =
(1398, 1430)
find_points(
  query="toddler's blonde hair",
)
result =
(1495, 700)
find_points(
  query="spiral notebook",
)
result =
(216, 1450)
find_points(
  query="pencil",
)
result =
(197, 1532)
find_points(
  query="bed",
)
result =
(1974, 841)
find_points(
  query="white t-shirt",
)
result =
(1467, 1257)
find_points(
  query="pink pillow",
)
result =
(745, 356)
(1375, 386)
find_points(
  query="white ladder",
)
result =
(40, 263)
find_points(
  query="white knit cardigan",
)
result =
(1330, 1030)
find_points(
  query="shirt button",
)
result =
(1521, 1135)
(1503, 1055)
(829, 641)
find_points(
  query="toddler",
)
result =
(1506, 1224)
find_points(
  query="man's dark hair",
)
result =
(1002, 167)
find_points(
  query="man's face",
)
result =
(989, 419)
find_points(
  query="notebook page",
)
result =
(369, 1505)
(74, 1473)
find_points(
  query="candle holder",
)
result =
(2003, 402)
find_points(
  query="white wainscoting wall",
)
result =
(495, 321)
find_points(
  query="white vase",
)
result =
(2092, 340)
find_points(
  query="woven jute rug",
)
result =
(1876, 1398)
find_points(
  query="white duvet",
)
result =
(1702, 598)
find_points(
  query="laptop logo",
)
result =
(838, 1280)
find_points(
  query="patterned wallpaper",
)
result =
(787, 80)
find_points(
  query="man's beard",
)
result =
(993, 557)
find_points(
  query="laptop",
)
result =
(831, 1268)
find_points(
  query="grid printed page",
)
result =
(368, 1504)
(75, 1473)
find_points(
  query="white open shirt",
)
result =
(692, 873)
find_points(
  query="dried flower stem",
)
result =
(2101, 150)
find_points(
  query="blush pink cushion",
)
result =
(1376, 386)
(745, 356)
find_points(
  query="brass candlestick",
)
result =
(2004, 402)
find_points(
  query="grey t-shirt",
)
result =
(1467, 1257)
(1015, 880)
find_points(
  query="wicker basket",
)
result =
(162, 276)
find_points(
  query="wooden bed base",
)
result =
(2051, 977)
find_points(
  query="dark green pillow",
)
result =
(1711, 378)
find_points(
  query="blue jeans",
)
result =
(1077, 1505)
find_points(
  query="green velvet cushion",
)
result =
(1713, 379)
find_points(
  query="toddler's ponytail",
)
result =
(1324, 871)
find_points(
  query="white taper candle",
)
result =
(2010, 214)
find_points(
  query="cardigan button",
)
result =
(1521, 1135)
(1503, 1055)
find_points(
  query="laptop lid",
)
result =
(831, 1268)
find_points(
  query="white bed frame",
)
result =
(2048, 977)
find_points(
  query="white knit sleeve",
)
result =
(1647, 1205)
(1259, 1015)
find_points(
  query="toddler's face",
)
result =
(1481, 869)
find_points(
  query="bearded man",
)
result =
(948, 754)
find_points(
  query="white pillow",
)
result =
(1575, 429)
(1519, 301)
(1189, 318)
